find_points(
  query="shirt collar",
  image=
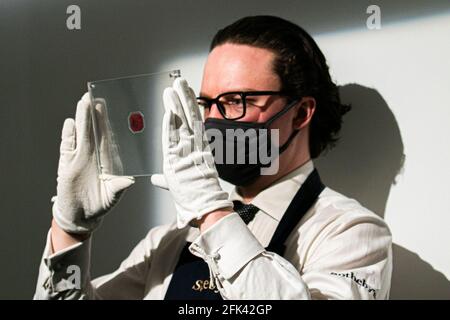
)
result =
(275, 199)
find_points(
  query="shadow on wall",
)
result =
(364, 166)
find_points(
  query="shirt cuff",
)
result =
(229, 243)
(68, 269)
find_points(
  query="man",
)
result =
(276, 236)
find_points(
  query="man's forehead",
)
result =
(235, 67)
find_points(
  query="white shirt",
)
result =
(339, 250)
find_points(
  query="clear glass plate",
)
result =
(127, 122)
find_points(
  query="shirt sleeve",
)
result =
(66, 274)
(352, 261)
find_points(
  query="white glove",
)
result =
(189, 169)
(84, 195)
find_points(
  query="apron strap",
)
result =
(302, 202)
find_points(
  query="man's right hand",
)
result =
(83, 195)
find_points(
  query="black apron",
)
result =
(190, 280)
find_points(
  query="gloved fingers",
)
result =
(192, 112)
(83, 123)
(201, 140)
(109, 152)
(102, 120)
(68, 136)
(172, 102)
(159, 180)
(172, 149)
(188, 102)
(169, 134)
(197, 110)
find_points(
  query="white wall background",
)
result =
(393, 156)
(407, 63)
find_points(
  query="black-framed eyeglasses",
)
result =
(233, 105)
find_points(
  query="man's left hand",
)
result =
(189, 170)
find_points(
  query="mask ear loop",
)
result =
(281, 113)
(288, 142)
(293, 134)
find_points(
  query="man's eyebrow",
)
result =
(202, 94)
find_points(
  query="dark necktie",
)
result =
(246, 211)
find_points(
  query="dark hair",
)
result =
(301, 67)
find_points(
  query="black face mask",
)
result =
(241, 153)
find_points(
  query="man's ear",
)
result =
(305, 111)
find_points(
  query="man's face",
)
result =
(235, 67)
